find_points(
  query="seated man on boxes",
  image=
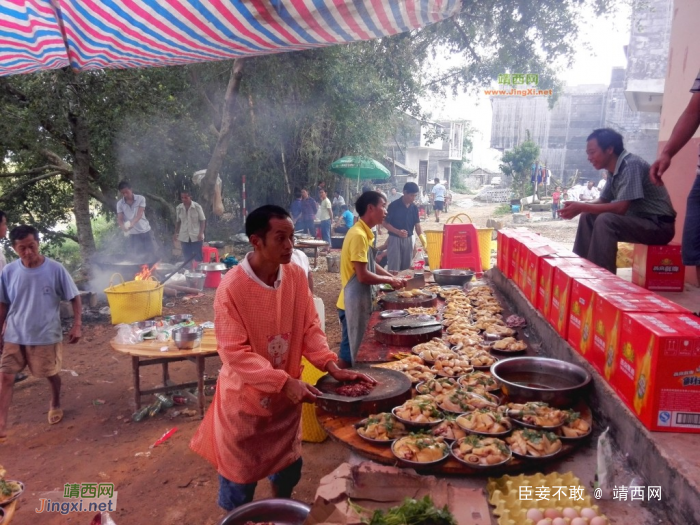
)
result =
(629, 209)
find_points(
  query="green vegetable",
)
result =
(410, 512)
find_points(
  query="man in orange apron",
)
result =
(265, 321)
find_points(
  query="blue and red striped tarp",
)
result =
(96, 34)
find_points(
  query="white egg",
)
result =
(534, 515)
(552, 513)
(598, 520)
(545, 521)
(588, 513)
(560, 521)
(570, 512)
(579, 521)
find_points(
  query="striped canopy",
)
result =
(97, 34)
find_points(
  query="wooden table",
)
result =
(315, 244)
(147, 353)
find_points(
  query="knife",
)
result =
(397, 327)
(415, 282)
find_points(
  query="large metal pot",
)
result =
(556, 382)
(452, 277)
(274, 510)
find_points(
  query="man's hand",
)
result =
(343, 374)
(570, 210)
(299, 392)
(403, 234)
(74, 334)
(659, 168)
(200, 237)
(397, 283)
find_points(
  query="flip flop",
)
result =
(55, 416)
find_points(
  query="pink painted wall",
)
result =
(683, 67)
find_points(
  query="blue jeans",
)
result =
(326, 231)
(691, 230)
(232, 495)
(192, 248)
(344, 353)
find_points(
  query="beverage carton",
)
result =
(658, 268)
(545, 277)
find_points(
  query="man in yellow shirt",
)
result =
(358, 273)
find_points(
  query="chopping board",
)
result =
(393, 301)
(384, 332)
(392, 389)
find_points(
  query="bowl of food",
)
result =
(187, 338)
(481, 452)
(574, 427)
(558, 383)
(448, 430)
(478, 378)
(440, 385)
(460, 401)
(10, 490)
(421, 411)
(536, 414)
(275, 510)
(420, 449)
(452, 277)
(534, 444)
(380, 429)
(485, 422)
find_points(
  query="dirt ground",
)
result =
(98, 442)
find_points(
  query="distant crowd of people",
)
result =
(580, 193)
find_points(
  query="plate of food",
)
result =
(479, 378)
(574, 427)
(509, 345)
(481, 452)
(449, 430)
(485, 422)
(421, 411)
(534, 444)
(420, 449)
(10, 490)
(459, 402)
(439, 385)
(419, 310)
(435, 344)
(537, 415)
(380, 428)
(449, 364)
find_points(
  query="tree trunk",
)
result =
(81, 190)
(224, 138)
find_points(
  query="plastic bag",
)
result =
(218, 205)
(605, 471)
(126, 335)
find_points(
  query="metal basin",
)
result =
(188, 338)
(277, 510)
(211, 267)
(195, 280)
(452, 277)
(556, 382)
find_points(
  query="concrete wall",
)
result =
(683, 66)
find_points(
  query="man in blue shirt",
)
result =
(31, 290)
(345, 220)
(438, 193)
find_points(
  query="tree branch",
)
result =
(166, 204)
(18, 189)
(65, 236)
(99, 196)
(33, 171)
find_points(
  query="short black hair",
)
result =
(344, 207)
(123, 184)
(410, 187)
(258, 221)
(23, 231)
(436, 180)
(366, 199)
(606, 137)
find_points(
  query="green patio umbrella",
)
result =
(360, 168)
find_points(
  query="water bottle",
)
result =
(419, 261)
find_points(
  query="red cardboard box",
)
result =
(581, 313)
(526, 248)
(562, 281)
(503, 239)
(545, 277)
(532, 265)
(513, 254)
(607, 316)
(658, 268)
(658, 376)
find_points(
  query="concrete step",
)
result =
(668, 460)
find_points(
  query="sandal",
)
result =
(55, 416)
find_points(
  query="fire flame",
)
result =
(145, 273)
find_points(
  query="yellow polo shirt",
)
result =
(355, 249)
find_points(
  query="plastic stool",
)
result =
(207, 252)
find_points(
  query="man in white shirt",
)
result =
(189, 226)
(603, 180)
(325, 215)
(438, 193)
(132, 221)
(338, 202)
(590, 192)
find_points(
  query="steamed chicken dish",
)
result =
(382, 427)
(483, 451)
(485, 421)
(534, 443)
(419, 410)
(451, 365)
(461, 401)
(537, 413)
(440, 385)
(574, 426)
(510, 344)
(478, 379)
(448, 429)
(420, 448)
